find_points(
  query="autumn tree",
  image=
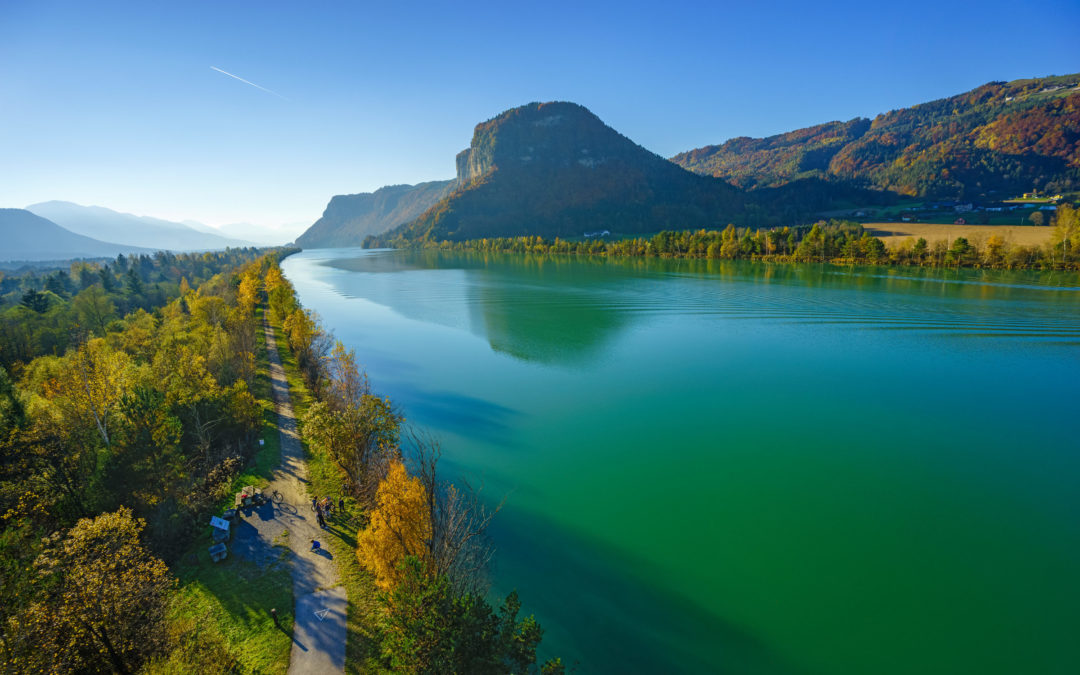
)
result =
(311, 345)
(247, 293)
(399, 526)
(1065, 238)
(99, 602)
(729, 243)
(995, 250)
(279, 294)
(89, 384)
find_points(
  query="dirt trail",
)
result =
(319, 614)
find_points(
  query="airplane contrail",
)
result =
(246, 82)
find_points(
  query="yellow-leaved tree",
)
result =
(99, 602)
(89, 385)
(247, 294)
(400, 526)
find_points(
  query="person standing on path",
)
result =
(322, 521)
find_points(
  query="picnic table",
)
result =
(249, 496)
(220, 528)
(218, 552)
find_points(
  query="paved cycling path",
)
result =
(319, 615)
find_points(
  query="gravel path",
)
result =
(319, 615)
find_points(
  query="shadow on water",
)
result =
(458, 413)
(630, 624)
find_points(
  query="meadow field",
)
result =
(894, 233)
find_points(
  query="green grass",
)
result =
(325, 479)
(219, 616)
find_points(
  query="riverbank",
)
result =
(837, 242)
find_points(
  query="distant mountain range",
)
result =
(350, 218)
(1003, 138)
(143, 231)
(27, 236)
(554, 169)
(53, 231)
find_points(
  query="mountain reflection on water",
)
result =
(564, 310)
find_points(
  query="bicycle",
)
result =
(277, 497)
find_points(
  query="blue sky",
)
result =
(116, 104)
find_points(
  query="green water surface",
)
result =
(744, 468)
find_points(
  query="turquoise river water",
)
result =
(744, 468)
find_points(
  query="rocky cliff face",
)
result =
(549, 135)
(557, 169)
(349, 218)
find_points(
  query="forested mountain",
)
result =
(556, 169)
(30, 237)
(1003, 139)
(125, 228)
(350, 218)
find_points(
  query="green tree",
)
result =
(961, 252)
(429, 629)
(872, 247)
(919, 251)
(12, 411)
(94, 308)
(812, 247)
(134, 283)
(108, 281)
(36, 301)
(357, 429)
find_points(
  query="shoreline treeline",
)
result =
(424, 543)
(835, 241)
